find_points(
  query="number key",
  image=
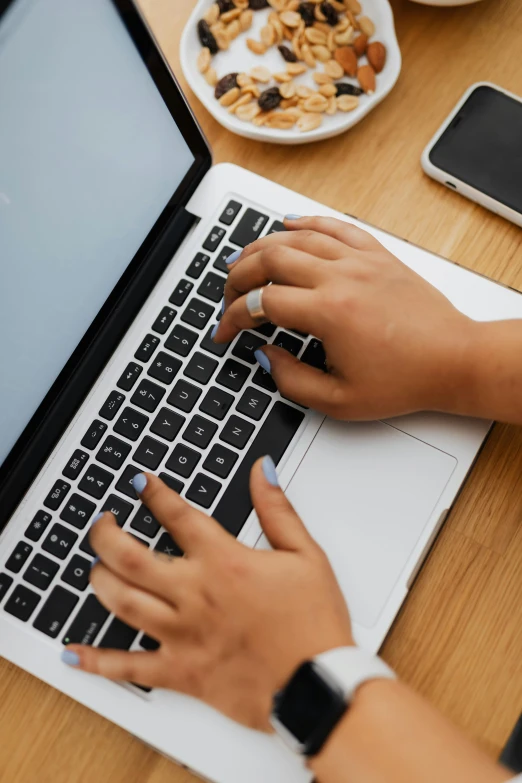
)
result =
(59, 541)
(96, 482)
(113, 453)
(197, 313)
(181, 340)
(164, 368)
(131, 424)
(148, 396)
(77, 511)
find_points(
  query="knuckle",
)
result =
(131, 560)
(124, 605)
(270, 257)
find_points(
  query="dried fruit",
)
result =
(366, 26)
(225, 84)
(376, 54)
(270, 99)
(329, 13)
(230, 97)
(347, 59)
(366, 78)
(345, 88)
(309, 122)
(287, 54)
(225, 5)
(360, 44)
(257, 5)
(307, 13)
(347, 102)
(204, 59)
(206, 37)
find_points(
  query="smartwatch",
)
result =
(319, 693)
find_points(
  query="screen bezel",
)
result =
(95, 348)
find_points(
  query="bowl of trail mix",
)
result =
(290, 71)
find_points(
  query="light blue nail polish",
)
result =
(269, 469)
(234, 257)
(95, 562)
(139, 482)
(213, 332)
(97, 517)
(263, 360)
(70, 658)
(293, 217)
(223, 306)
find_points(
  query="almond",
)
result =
(366, 77)
(366, 26)
(360, 44)
(376, 54)
(347, 59)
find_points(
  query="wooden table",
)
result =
(458, 639)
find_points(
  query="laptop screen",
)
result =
(89, 158)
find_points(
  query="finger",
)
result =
(280, 522)
(313, 242)
(142, 668)
(345, 232)
(304, 384)
(291, 308)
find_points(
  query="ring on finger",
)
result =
(254, 303)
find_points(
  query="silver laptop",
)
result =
(114, 230)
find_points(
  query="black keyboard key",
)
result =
(76, 464)
(87, 624)
(59, 541)
(56, 496)
(253, 403)
(230, 213)
(96, 481)
(220, 461)
(197, 313)
(288, 342)
(149, 453)
(221, 260)
(184, 396)
(217, 403)
(274, 438)
(208, 344)
(86, 547)
(55, 612)
(212, 287)
(213, 240)
(233, 375)
(77, 511)
(94, 434)
(247, 345)
(266, 329)
(148, 396)
(182, 290)
(181, 340)
(131, 424)
(124, 485)
(203, 490)
(77, 572)
(22, 603)
(264, 379)
(5, 583)
(249, 228)
(164, 368)
(19, 557)
(119, 507)
(172, 483)
(314, 355)
(164, 320)
(145, 522)
(112, 405)
(41, 572)
(197, 266)
(167, 424)
(129, 377)
(276, 228)
(40, 521)
(200, 431)
(118, 636)
(168, 546)
(113, 453)
(183, 460)
(201, 368)
(149, 644)
(147, 348)
(237, 432)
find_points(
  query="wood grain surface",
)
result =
(458, 639)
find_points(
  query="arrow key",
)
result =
(203, 490)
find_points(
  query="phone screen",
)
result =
(483, 146)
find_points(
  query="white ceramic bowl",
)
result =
(240, 58)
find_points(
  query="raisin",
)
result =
(225, 5)
(332, 17)
(288, 54)
(206, 37)
(257, 5)
(307, 11)
(270, 99)
(344, 88)
(225, 84)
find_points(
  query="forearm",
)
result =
(391, 735)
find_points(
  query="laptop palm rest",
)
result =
(366, 492)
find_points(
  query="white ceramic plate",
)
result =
(240, 58)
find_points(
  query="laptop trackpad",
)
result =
(366, 492)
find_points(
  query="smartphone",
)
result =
(478, 150)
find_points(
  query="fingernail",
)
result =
(213, 332)
(263, 360)
(97, 517)
(70, 658)
(233, 257)
(223, 306)
(139, 482)
(94, 562)
(292, 217)
(269, 469)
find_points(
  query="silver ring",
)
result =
(254, 303)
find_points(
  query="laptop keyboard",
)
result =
(195, 413)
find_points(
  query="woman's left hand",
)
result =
(233, 623)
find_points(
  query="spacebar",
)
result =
(273, 438)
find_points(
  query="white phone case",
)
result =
(455, 184)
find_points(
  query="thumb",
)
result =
(281, 524)
(304, 384)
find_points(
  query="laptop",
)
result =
(114, 231)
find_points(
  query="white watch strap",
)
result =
(350, 667)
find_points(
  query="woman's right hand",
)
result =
(394, 344)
